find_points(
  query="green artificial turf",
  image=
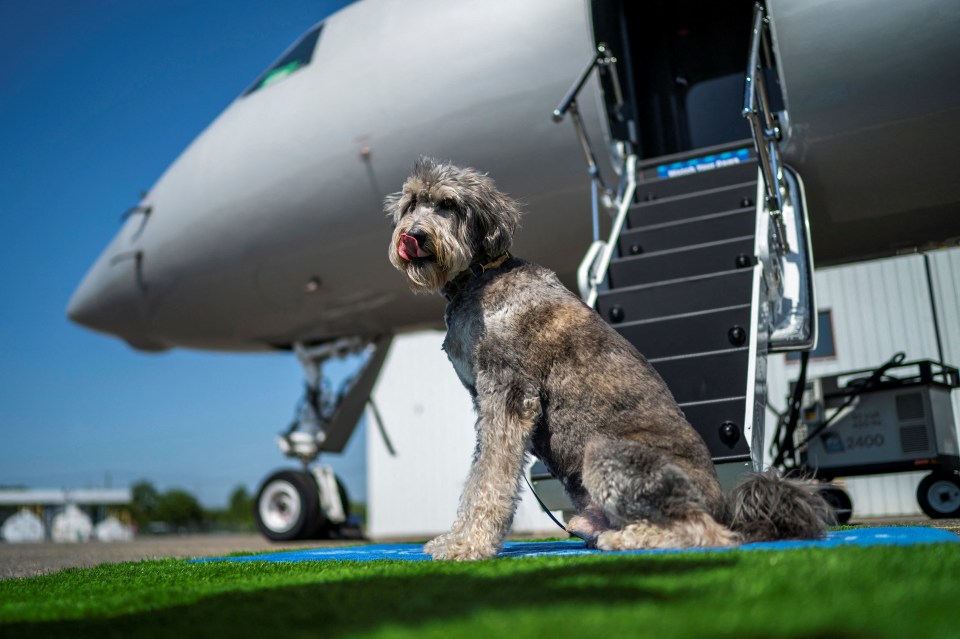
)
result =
(804, 593)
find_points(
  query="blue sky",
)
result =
(97, 98)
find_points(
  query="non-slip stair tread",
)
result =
(686, 205)
(701, 333)
(713, 178)
(708, 419)
(687, 261)
(709, 376)
(671, 318)
(662, 299)
(726, 225)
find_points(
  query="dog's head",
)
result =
(445, 219)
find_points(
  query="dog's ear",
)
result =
(391, 206)
(498, 217)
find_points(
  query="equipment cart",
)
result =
(895, 418)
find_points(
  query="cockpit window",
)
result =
(296, 57)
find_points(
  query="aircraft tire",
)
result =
(939, 495)
(287, 506)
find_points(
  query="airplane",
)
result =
(267, 232)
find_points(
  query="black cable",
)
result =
(547, 510)
(787, 426)
(859, 387)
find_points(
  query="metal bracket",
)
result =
(325, 419)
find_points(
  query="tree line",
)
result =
(176, 510)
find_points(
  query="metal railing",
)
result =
(764, 124)
(593, 268)
(603, 59)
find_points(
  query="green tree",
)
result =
(145, 500)
(178, 508)
(240, 509)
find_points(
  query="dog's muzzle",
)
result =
(409, 248)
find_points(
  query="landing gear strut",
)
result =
(311, 502)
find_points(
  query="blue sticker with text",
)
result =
(705, 163)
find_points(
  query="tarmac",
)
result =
(33, 559)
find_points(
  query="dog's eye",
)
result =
(448, 203)
(412, 205)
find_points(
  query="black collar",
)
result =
(472, 272)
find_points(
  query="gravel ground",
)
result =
(29, 560)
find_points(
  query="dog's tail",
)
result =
(768, 507)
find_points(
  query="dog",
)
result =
(548, 376)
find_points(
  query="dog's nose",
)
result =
(417, 234)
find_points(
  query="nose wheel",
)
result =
(290, 505)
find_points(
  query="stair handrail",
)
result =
(595, 264)
(603, 58)
(764, 126)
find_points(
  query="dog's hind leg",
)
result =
(505, 423)
(652, 500)
(588, 524)
(695, 529)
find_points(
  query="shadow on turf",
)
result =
(365, 603)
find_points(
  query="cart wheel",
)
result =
(288, 506)
(939, 495)
(839, 501)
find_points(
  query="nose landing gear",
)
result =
(312, 503)
(291, 505)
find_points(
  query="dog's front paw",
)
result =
(438, 545)
(449, 547)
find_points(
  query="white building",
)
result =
(873, 310)
(61, 515)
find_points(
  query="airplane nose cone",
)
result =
(110, 299)
(95, 303)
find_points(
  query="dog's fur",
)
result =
(547, 375)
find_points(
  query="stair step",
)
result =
(708, 418)
(650, 301)
(667, 187)
(697, 230)
(687, 261)
(678, 207)
(693, 333)
(699, 378)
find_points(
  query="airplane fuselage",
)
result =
(268, 229)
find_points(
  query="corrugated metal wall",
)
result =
(429, 419)
(879, 308)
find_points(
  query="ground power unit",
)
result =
(896, 418)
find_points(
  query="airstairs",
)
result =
(684, 288)
(707, 267)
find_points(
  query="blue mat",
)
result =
(898, 536)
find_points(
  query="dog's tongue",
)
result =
(409, 248)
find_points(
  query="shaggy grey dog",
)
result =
(547, 375)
